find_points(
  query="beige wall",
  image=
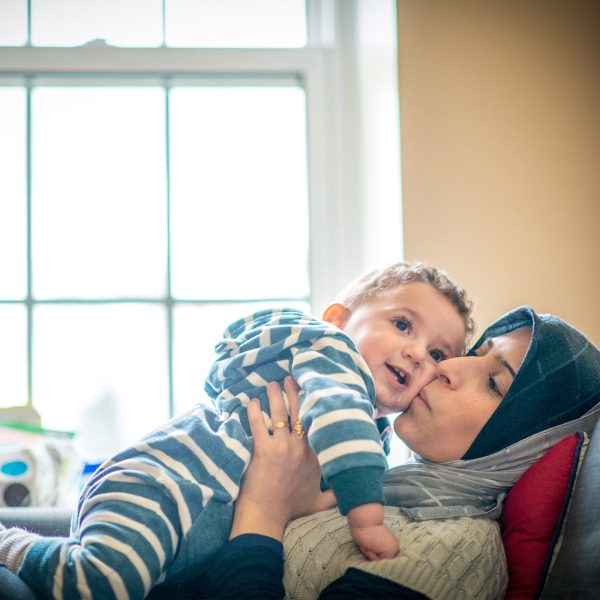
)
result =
(500, 124)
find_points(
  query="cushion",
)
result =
(533, 515)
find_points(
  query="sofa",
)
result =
(572, 574)
(575, 571)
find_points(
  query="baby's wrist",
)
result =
(366, 515)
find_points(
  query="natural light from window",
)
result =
(169, 166)
(98, 192)
(13, 213)
(239, 190)
(139, 23)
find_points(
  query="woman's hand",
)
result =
(282, 479)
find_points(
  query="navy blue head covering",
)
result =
(558, 381)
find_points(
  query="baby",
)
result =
(157, 511)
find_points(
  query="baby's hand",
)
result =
(375, 542)
(373, 538)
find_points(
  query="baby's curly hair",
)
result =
(401, 273)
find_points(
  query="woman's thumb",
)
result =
(325, 500)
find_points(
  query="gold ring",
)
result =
(280, 425)
(298, 429)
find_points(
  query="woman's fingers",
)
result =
(283, 477)
(279, 414)
(292, 389)
(280, 420)
(256, 421)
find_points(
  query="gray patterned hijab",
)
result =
(556, 392)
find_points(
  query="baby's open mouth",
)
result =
(402, 376)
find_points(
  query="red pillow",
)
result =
(533, 514)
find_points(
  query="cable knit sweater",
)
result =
(447, 559)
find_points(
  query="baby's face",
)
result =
(402, 333)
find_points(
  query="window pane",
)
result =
(98, 199)
(13, 249)
(77, 22)
(197, 329)
(13, 355)
(101, 370)
(239, 192)
(236, 23)
(13, 22)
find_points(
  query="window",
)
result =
(167, 166)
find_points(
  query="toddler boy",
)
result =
(157, 511)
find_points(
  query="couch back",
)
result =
(575, 574)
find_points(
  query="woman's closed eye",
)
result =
(493, 386)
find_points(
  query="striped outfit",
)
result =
(159, 510)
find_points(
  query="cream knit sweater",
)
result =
(457, 558)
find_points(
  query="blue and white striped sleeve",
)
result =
(133, 517)
(129, 530)
(337, 410)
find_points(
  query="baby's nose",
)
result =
(416, 353)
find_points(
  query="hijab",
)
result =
(556, 392)
(559, 381)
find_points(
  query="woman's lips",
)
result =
(422, 398)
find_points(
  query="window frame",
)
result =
(342, 187)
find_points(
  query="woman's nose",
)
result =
(444, 377)
(454, 371)
(449, 371)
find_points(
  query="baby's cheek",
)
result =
(425, 375)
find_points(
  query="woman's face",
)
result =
(444, 419)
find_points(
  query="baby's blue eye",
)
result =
(437, 355)
(402, 324)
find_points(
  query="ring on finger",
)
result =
(280, 425)
(298, 429)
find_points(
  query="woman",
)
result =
(529, 381)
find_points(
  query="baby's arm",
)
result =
(133, 516)
(120, 550)
(337, 408)
(370, 533)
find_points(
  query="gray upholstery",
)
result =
(576, 573)
(46, 521)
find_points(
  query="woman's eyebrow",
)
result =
(502, 360)
(505, 364)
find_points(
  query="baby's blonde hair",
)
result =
(401, 273)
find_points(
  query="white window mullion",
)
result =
(131, 61)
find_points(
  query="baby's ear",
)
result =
(336, 314)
